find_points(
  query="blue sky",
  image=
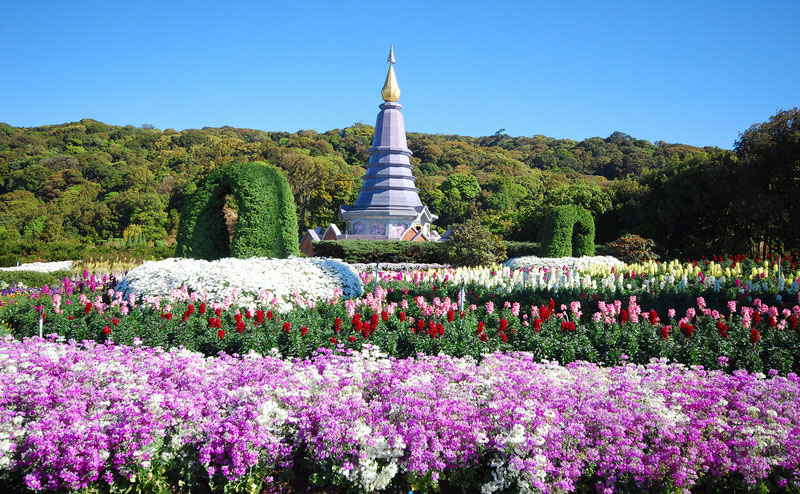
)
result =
(696, 72)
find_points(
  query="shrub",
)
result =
(632, 248)
(472, 244)
(367, 251)
(267, 223)
(568, 231)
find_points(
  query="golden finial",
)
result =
(390, 91)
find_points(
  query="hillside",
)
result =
(90, 181)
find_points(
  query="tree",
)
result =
(770, 156)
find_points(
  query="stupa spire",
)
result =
(390, 91)
(388, 206)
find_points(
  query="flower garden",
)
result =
(535, 376)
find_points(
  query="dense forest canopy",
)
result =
(90, 181)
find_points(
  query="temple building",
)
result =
(388, 205)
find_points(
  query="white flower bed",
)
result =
(396, 266)
(231, 280)
(556, 262)
(41, 267)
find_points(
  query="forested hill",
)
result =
(88, 180)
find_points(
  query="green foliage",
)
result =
(521, 249)
(369, 251)
(568, 231)
(33, 278)
(632, 248)
(267, 223)
(472, 244)
(13, 252)
(90, 181)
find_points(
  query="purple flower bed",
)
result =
(73, 415)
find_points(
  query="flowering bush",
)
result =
(405, 324)
(529, 262)
(77, 416)
(41, 267)
(244, 279)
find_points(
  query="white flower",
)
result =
(41, 267)
(278, 281)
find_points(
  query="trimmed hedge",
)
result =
(568, 231)
(34, 278)
(13, 252)
(267, 224)
(367, 251)
(521, 249)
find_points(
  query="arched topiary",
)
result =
(267, 223)
(568, 231)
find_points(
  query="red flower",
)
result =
(687, 329)
(401, 316)
(337, 325)
(303, 331)
(653, 317)
(793, 321)
(221, 334)
(115, 321)
(483, 337)
(190, 309)
(106, 330)
(480, 326)
(503, 337)
(503, 325)
(537, 325)
(287, 326)
(754, 336)
(552, 304)
(218, 311)
(351, 339)
(384, 316)
(665, 332)
(87, 308)
(568, 326)
(71, 317)
(248, 314)
(240, 326)
(166, 316)
(722, 328)
(451, 315)
(421, 325)
(623, 316)
(756, 318)
(202, 308)
(333, 340)
(237, 317)
(545, 313)
(772, 322)
(270, 315)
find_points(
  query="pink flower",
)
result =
(671, 313)
(490, 307)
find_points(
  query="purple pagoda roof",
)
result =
(388, 183)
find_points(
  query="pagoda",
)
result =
(388, 206)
